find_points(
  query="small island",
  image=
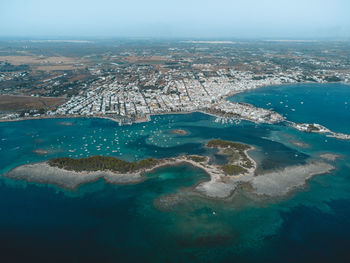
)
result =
(239, 168)
(317, 128)
(178, 132)
(102, 163)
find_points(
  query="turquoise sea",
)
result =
(159, 220)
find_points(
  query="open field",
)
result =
(44, 63)
(148, 59)
(56, 67)
(18, 60)
(17, 103)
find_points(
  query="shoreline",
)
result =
(220, 186)
(279, 118)
(231, 94)
(44, 173)
(327, 133)
(282, 182)
(51, 173)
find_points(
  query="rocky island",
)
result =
(238, 169)
(317, 128)
(178, 132)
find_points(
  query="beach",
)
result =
(220, 186)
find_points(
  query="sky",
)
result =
(190, 19)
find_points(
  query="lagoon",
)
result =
(159, 220)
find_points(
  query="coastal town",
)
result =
(129, 83)
(130, 103)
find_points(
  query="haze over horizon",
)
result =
(180, 19)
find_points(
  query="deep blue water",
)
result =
(326, 104)
(130, 223)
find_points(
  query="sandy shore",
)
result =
(330, 156)
(178, 131)
(46, 174)
(282, 182)
(220, 186)
(273, 184)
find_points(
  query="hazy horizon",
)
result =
(222, 19)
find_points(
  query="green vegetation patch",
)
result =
(312, 128)
(226, 144)
(231, 169)
(197, 158)
(102, 163)
(247, 163)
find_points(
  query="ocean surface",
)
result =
(158, 220)
(325, 104)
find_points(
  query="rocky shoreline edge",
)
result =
(220, 186)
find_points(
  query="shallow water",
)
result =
(159, 220)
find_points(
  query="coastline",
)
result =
(264, 118)
(327, 132)
(220, 186)
(44, 173)
(70, 180)
(281, 183)
(148, 115)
